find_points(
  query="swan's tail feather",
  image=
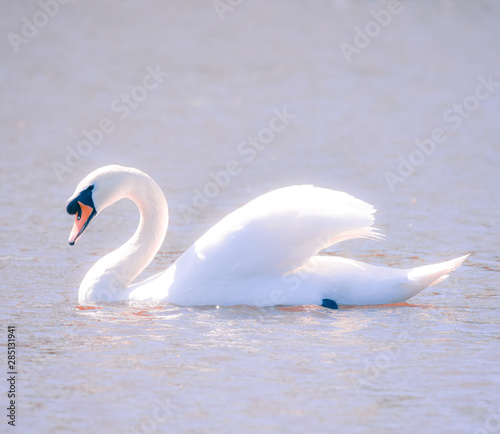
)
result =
(428, 275)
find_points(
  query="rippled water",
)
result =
(428, 366)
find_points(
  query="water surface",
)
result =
(427, 366)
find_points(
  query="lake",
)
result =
(394, 103)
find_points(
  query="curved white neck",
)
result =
(113, 273)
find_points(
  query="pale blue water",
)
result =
(430, 366)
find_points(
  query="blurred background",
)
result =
(182, 89)
(357, 108)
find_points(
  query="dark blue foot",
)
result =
(330, 304)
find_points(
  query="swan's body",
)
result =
(263, 254)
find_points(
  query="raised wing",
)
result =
(279, 232)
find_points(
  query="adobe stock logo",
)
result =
(122, 107)
(30, 27)
(453, 117)
(223, 7)
(247, 152)
(372, 29)
(491, 424)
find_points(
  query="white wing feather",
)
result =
(275, 234)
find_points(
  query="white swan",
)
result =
(263, 254)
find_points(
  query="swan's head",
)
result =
(82, 206)
(95, 192)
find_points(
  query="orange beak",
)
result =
(82, 219)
